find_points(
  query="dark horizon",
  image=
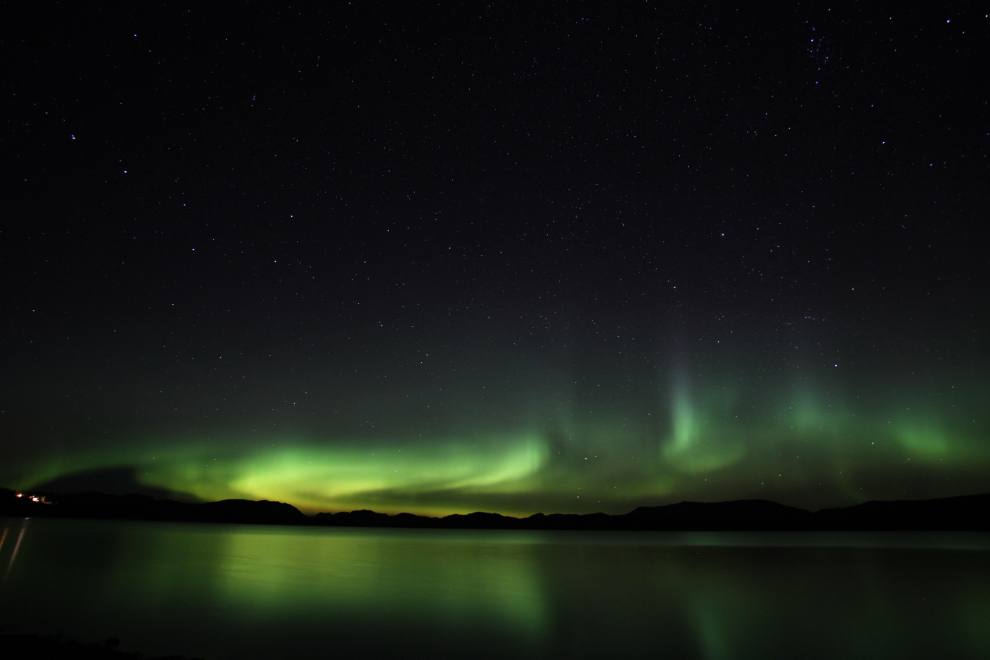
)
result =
(507, 258)
(960, 513)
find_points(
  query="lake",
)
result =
(239, 591)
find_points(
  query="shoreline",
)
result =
(967, 513)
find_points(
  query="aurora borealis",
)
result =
(515, 259)
(791, 442)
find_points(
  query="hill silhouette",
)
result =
(963, 513)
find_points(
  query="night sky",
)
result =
(510, 257)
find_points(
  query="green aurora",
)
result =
(805, 446)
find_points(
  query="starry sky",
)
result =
(512, 257)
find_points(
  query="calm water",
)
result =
(223, 591)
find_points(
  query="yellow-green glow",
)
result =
(803, 446)
(342, 477)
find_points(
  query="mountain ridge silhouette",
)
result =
(959, 513)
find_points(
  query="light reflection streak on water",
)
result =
(17, 546)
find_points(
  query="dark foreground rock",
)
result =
(36, 647)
